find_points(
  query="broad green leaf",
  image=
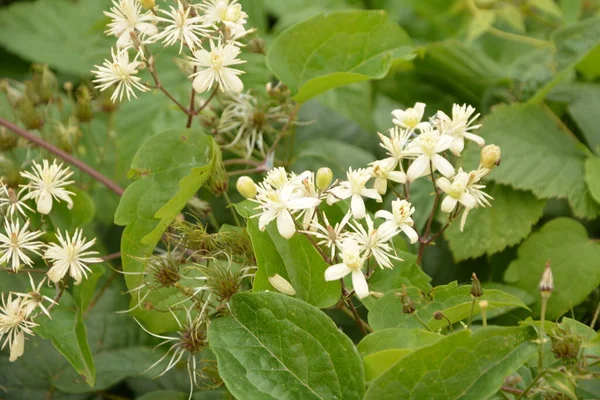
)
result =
(84, 292)
(82, 212)
(575, 261)
(453, 300)
(490, 230)
(589, 66)
(273, 347)
(480, 24)
(592, 176)
(335, 49)
(549, 6)
(295, 259)
(335, 154)
(562, 383)
(464, 365)
(511, 14)
(111, 368)
(574, 42)
(383, 349)
(63, 34)
(353, 102)
(291, 12)
(584, 99)
(571, 9)
(67, 333)
(539, 154)
(170, 167)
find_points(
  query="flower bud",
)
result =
(13, 95)
(476, 289)
(246, 186)
(438, 315)
(408, 306)
(45, 83)
(28, 115)
(282, 285)
(83, 108)
(148, 4)
(547, 282)
(9, 171)
(324, 178)
(8, 140)
(66, 137)
(490, 156)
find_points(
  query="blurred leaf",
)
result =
(295, 259)
(463, 365)
(291, 12)
(575, 264)
(170, 167)
(257, 15)
(335, 49)
(560, 382)
(511, 14)
(549, 6)
(571, 10)
(337, 155)
(111, 368)
(64, 34)
(351, 101)
(293, 350)
(82, 212)
(539, 154)
(453, 300)
(382, 349)
(491, 230)
(590, 65)
(574, 42)
(67, 333)
(592, 176)
(480, 24)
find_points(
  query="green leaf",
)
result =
(335, 154)
(82, 212)
(586, 99)
(84, 292)
(67, 333)
(353, 102)
(575, 264)
(549, 6)
(171, 166)
(490, 230)
(539, 154)
(571, 9)
(575, 41)
(63, 34)
(592, 176)
(511, 14)
(111, 368)
(453, 300)
(383, 349)
(295, 259)
(335, 49)
(464, 365)
(273, 346)
(480, 24)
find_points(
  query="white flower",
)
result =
(127, 17)
(213, 67)
(121, 72)
(428, 144)
(456, 191)
(330, 236)
(282, 285)
(277, 177)
(306, 184)
(411, 117)
(460, 127)
(352, 263)
(14, 324)
(355, 189)
(375, 242)
(69, 255)
(280, 205)
(382, 171)
(17, 241)
(47, 183)
(183, 28)
(397, 144)
(13, 201)
(34, 299)
(400, 218)
(474, 187)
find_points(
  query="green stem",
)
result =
(471, 313)
(542, 332)
(232, 209)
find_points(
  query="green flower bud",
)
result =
(9, 171)
(476, 289)
(490, 156)
(27, 113)
(246, 186)
(66, 137)
(547, 281)
(8, 140)
(324, 178)
(83, 108)
(45, 83)
(148, 4)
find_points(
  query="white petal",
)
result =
(418, 168)
(266, 217)
(17, 346)
(457, 146)
(475, 138)
(410, 232)
(204, 80)
(385, 214)
(282, 285)
(44, 202)
(361, 288)
(357, 205)
(448, 204)
(463, 219)
(397, 176)
(380, 185)
(444, 184)
(442, 165)
(285, 224)
(231, 82)
(336, 272)
(468, 200)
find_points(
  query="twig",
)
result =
(203, 106)
(60, 289)
(346, 297)
(595, 318)
(283, 131)
(424, 239)
(112, 256)
(191, 112)
(511, 390)
(159, 86)
(110, 184)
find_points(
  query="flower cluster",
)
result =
(210, 31)
(20, 243)
(415, 149)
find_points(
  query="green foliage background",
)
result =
(540, 100)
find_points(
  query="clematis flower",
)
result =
(459, 127)
(400, 218)
(127, 17)
(428, 145)
(214, 68)
(411, 117)
(121, 72)
(355, 189)
(352, 263)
